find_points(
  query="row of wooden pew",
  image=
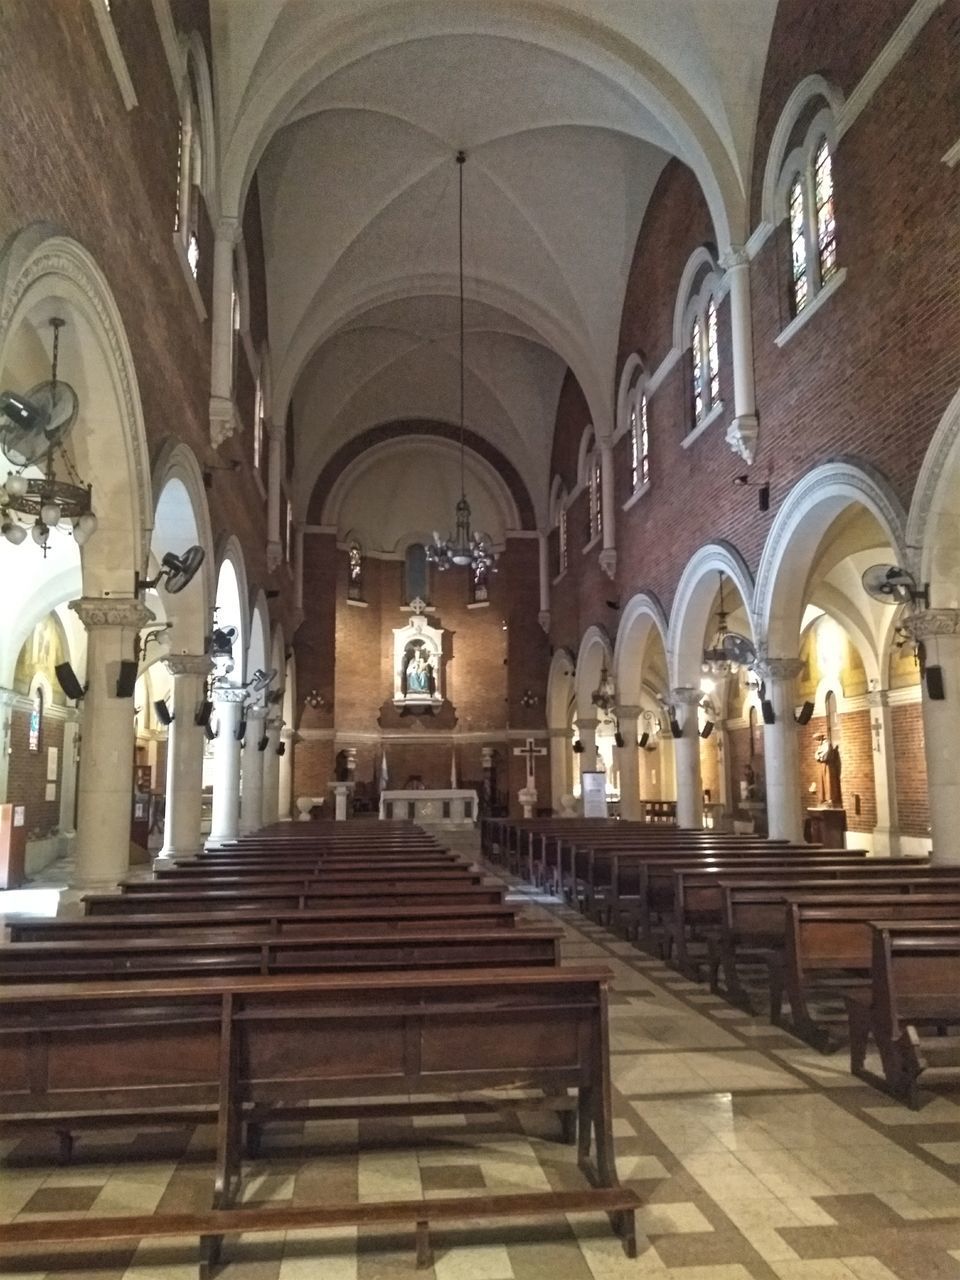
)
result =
(837, 945)
(356, 971)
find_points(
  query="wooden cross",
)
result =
(530, 752)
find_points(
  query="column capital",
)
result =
(229, 693)
(228, 229)
(687, 695)
(188, 664)
(625, 712)
(735, 256)
(930, 623)
(274, 723)
(608, 561)
(256, 713)
(587, 724)
(779, 668)
(125, 612)
(558, 733)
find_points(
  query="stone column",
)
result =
(631, 807)
(271, 772)
(105, 784)
(544, 550)
(686, 750)
(608, 507)
(222, 417)
(886, 834)
(251, 769)
(228, 703)
(588, 737)
(742, 432)
(182, 837)
(781, 749)
(939, 631)
(274, 475)
(288, 737)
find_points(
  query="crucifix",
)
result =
(530, 751)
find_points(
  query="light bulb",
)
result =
(16, 485)
(87, 524)
(14, 533)
(40, 533)
(50, 513)
(79, 536)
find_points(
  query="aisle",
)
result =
(757, 1159)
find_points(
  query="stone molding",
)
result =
(779, 668)
(608, 561)
(687, 695)
(125, 612)
(188, 664)
(229, 694)
(930, 623)
(742, 436)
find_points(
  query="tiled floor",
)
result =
(756, 1159)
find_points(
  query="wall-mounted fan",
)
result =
(739, 649)
(33, 424)
(890, 584)
(176, 572)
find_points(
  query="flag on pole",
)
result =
(453, 768)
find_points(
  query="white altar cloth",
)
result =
(451, 807)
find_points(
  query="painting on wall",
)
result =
(40, 653)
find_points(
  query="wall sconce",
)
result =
(529, 699)
(314, 700)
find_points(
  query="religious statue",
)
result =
(419, 672)
(828, 758)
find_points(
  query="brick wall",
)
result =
(27, 777)
(911, 770)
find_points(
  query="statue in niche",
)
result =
(418, 671)
(827, 756)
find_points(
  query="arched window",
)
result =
(189, 177)
(713, 352)
(639, 442)
(798, 246)
(826, 225)
(354, 571)
(806, 188)
(36, 720)
(416, 581)
(596, 497)
(696, 351)
(258, 424)
(562, 532)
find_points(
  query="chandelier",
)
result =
(33, 428)
(604, 697)
(729, 650)
(465, 547)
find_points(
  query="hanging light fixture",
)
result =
(465, 548)
(720, 657)
(33, 428)
(604, 697)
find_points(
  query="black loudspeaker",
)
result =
(804, 715)
(68, 682)
(675, 728)
(127, 679)
(767, 711)
(281, 748)
(164, 714)
(707, 729)
(208, 732)
(263, 743)
(618, 739)
(203, 713)
(763, 493)
(578, 746)
(241, 731)
(934, 679)
(643, 739)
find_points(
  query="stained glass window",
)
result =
(798, 246)
(826, 227)
(597, 499)
(289, 526)
(696, 349)
(416, 583)
(36, 721)
(355, 571)
(176, 224)
(563, 534)
(713, 352)
(634, 446)
(258, 425)
(644, 442)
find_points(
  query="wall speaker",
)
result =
(578, 746)
(618, 739)
(203, 713)
(164, 714)
(263, 743)
(281, 748)
(934, 679)
(68, 682)
(643, 739)
(767, 711)
(127, 679)
(208, 732)
(241, 732)
(804, 715)
(675, 728)
(707, 729)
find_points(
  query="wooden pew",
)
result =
(310, 879)
(828, 952)
(412, 918)
(915, 987)
(753, 913)
(260, 1048)
(279, 899)
(148, 955)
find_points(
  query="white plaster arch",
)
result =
(933, 527)
(45, 273)
(560, 689)
(634, 372)
(643, 615)
(689, 302)
(233, 599)
(595, 652)
(176, 527)
(808, 90)
(859, 632)
(258, 644)
(801, 158)
(195, 63)
(693, 604)
(788, 555)
(586, 450)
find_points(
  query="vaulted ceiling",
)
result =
(351, 112)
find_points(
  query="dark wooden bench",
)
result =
(914, 989)
(279, 899)
(310, 879)
(412, 918)
(827, 954)
(255, 1049)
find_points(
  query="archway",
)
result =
(232, 628)
(640, 673)
(561, 702)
